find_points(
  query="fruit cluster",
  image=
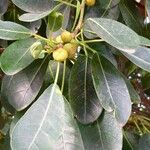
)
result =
(62, 47)
(66, 47)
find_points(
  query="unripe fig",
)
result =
(60, 54)
(66, 36)
(58, 39)
(71, 48)
(90, 2)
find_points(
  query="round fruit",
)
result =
(58, 39)
(90, 2)
(60, 54)
(66, 36)
(71, 48)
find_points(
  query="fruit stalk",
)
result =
(80, 22)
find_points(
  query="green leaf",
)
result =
(129, 13)
(135, 98)
(104, 134)
(144, 142)
(115, 33)
(48, 124)
(65, 11)
(141, 57)
(30, 17)
(107, 4)
(109, 9)
(145, 81)
(21, 89)
(3, 6)
(104, 51)
(34, 5)
(85, 104)
(16, 118)
(55, 21)
(144, 41)
(111, 88)
(13, 31)
(130, 141)
(17, 56)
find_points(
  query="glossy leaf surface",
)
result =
(111, 88)
(84, 101)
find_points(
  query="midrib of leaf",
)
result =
(12, 31)
(21, 57)
(105, 78)
(63, 131)
(50, 99)
(10, 81)
(100, 135)
(128, 141)
(85, 80)
(105, 30)
(107, 8)
(51, 71)
(62, 136)
(54, 24)
(45, 115)
(129, 12)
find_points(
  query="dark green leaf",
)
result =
(111, 88)
(21, 89)
(50, 76)
(104, 134)
(109, 9)
(34, 26)
(107, 4)
(3, 6)
(104, 51)
(135, 98)
(130, 16)
(130, 141)
(16, 118)
(48, 124)
(34, 6)
(17, 56)
(145, 81)
(13, 31)
(85, 104)
(55, 21)
(66, 18)
(144, 142)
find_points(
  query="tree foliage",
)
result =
(74, 75)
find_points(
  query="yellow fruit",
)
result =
(58, 39)
(90, 2)
(66, 36)
(60, 54)
(71, 48)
